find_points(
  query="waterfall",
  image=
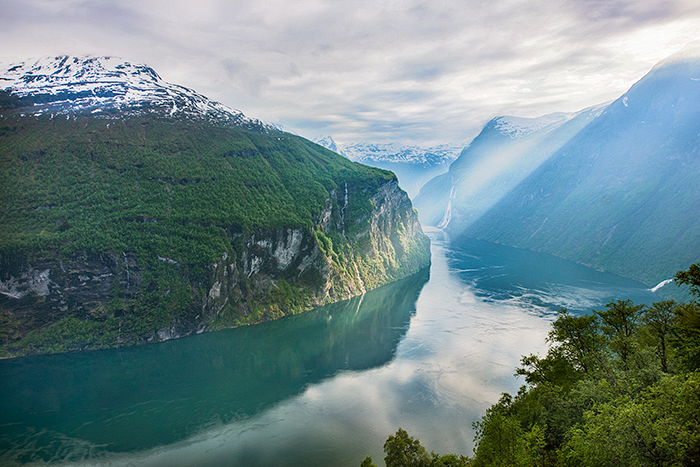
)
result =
(345, 209)
(359, 279)
(661, 284)
(119, 336)
(448, 211)
(362, 299)
(126, 265)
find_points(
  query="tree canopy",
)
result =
(619, 386)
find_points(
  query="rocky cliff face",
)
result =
(284, 271)
(91, 300)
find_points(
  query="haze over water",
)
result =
(428, 354)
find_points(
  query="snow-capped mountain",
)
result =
(441, 155)
(64, 85)
(413, 165)
(329, 143)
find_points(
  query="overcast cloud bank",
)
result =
(381, 71)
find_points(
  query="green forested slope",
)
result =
(120, 230)
(88, 183)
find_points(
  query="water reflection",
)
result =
(538, 281)
(324, 388)
(455, 360)
(74, 405)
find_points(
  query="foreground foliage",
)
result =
(617, 387)
(620, 387)
(403, 450)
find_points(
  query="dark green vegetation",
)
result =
(142, 183)
(118, 231)
(617, 387)
(403, 450)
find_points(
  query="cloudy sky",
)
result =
(402, 71)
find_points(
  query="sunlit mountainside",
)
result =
(617, 191)
(506, 151)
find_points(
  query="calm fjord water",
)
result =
(428, 354)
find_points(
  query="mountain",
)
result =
(413, 165)
(622, 195)
(135, 211)
(329, 143)
(60, 85)
(506, 151)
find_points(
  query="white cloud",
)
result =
(371, 70)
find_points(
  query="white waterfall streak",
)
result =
(448, 211)
(661, 284)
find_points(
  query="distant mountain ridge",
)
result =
(518, 127)
(414, 165)
(620, 194)
(506, 151)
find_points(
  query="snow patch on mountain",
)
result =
(328, 143)
(689, 52)
(413, 165)
(64, 85)
(442, 154)
(517, 127)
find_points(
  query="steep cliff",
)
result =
(137, 224)
(86, 299)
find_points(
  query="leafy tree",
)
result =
(449, 460)
(577, 340)
(660, 427)
(686, 336)
(403, 450)
(499, 436)
(619, 324)
(691, 277)
(659, 319)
